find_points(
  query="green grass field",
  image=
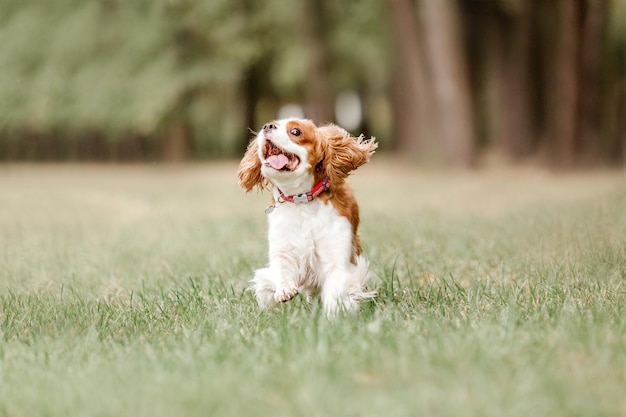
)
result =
(122, 293)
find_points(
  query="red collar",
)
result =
(320, 187)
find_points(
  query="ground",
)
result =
(122, 292)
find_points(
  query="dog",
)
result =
(313, 218)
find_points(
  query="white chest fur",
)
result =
(308, 232)
(310, 247)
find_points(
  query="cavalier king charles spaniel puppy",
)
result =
(314, 246)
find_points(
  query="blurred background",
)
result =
(440, 82)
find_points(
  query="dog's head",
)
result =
(294, 154)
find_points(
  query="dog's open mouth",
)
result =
(279, 159)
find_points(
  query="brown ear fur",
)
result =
(249, 171)
(343, 153)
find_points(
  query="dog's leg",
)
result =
(275, 284)
(344, 288)
(284, 272)
(264, 287)
(335, 295)
(360, 276)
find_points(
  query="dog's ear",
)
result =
(249, 172)
(343, 153)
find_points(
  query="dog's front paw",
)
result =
(284, 294)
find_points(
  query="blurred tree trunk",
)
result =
(450, 80)
(619, 149)
(318, 94)
(563, 116)
(251, 96)
(591, 55)
(614, 122)
(412, 121)
(509, 50)
(176, 146)
(251, 83)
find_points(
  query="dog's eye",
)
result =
(295, 131)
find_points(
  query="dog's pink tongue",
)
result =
(278, 161)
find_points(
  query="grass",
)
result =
(122, 293)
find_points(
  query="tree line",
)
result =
(437, 81)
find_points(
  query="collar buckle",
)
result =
(301, 198)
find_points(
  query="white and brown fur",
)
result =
(314, 247)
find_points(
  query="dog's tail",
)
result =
(361, 277)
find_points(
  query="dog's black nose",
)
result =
(269, 126)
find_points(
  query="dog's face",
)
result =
(289, 151)
(294, 154)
